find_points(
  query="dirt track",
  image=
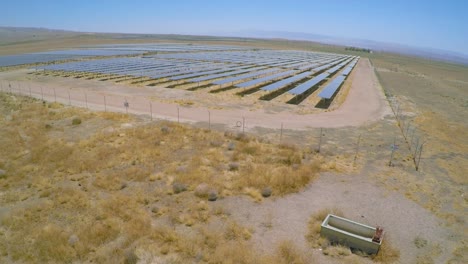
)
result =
(364, 103)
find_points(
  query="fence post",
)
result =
(42, 94)
(243, 125)
(281, 133)
(151, 111)
(412, 137)
(55, 96)
(320, 141)
(393, 151)
(126, 105)
(209, 120)
(419, 158)
(407, 129)
(357, 149)
(416, 149)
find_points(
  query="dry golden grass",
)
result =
(387, 254)
(337, 251)
(93, 191)
(287, 253)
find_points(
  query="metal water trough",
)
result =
(352, 234)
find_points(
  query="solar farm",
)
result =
(268, 75)
(150, 133)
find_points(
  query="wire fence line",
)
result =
(409, 130)
(320, 140)
(99, 101)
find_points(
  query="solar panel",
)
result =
(185, 76)
(334, 69)
(49, 56)
(215, 76)
(286, 81)
(309, 84)
(264, 79)
(331, 88)
(245, 76)
(347, 71)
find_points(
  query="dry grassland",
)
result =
(433, 97)
(104, 187)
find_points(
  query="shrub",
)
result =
(202, 190)
(212, 195)
(231, 146)
(165, 129)
(130, 257)
(179, 187)
(266, 192)
(233, 166)
(76, 121)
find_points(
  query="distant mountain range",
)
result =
(19, 34)
(429, 53)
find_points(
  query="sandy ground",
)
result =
(360, 200)
(153, 101)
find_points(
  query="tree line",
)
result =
(358, 49)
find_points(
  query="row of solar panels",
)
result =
(198, 71)
(330, 90)
(155, 68)
(258, 57)
(170, 47)
(43, 57)
(106, 50)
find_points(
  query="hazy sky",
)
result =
(436, 24)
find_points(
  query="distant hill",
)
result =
(428, 53)
(19, 35)
(23, 34)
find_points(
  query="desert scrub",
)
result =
(74, 208)
(287, 252)
(76, 121)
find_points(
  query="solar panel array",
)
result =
(331, 88)
(106, 50)
(221, 68)
(42, 57)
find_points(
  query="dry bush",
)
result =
(460, 254)
(337, 251)
(234, 252)
(287, 252)
(235, 232)
(387, 253)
